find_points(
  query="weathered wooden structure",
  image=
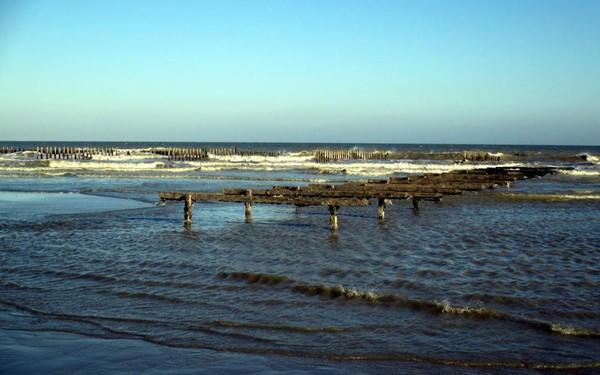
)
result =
(322, 155)
(74, 153)
(417, 188)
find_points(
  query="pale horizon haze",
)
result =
(466, 72)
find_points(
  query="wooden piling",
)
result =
(381, 208)
(248, 206)
(333, 220)
(416, 201)
(187, 211)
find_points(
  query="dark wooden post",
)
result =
(416, 201)
(187, 211)
(381, 209)
(333, 216)
(248, 206)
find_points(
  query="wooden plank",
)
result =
(171, 196)
(376, 190)
(284, 187)
(299, 201)
(235, 191)
(367, 193)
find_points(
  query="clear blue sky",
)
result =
(523, 72)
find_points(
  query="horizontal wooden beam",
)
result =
(298, 201)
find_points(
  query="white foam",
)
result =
(580, 172)
(281, 159)
(554, 197)
(143, 161)
(362, 168)
(573, 331)
(590, 158)
(140, 160)
(575, 197)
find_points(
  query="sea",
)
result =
(98, 276)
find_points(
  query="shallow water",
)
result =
(499, 280)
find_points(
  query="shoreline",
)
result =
(36, 352)
(50, 352)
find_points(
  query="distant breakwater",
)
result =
(325, 154)
(321, 155)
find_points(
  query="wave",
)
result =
(594, 159)
(338, 292)
(335, 162)
(580, 172)
(99, 167)
(106, 332)
(551, 197)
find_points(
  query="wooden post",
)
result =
(416, 201)
(187, 211)
(381, 209)
(333, 216)
(248, 207)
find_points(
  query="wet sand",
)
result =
(35, 352)
(24, 352)
(26, 205)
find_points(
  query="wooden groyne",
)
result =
(319, 155)
(323, 155)
(333, 155)
(10, 150)
(329, 155)
(425, 187)
(74, 153)
(200, 153)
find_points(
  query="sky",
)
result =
(349, 71)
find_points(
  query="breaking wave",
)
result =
(338, 292)
(552, 197)
(159, 161)
(102, 328)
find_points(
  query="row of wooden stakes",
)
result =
(196, 153)
(83, 153)
(200, 153)
(10, 150)
(425, 187)
(332, 155)
(329, 155)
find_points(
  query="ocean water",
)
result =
(495, 281)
